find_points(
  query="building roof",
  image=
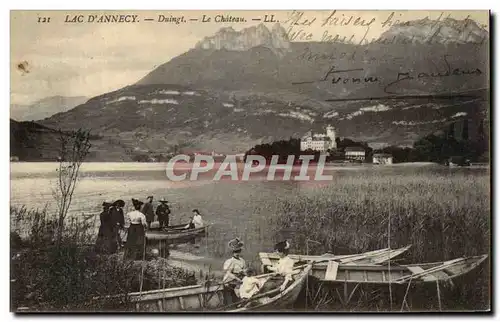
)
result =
(382, 155)
(355, 149)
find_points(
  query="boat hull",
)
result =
(175, 234)
(210, 298)
(335, 273)
(373, 257)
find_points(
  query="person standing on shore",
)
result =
(148, 211)
(163, 213)
(118, 221)
(136, 239)
(104, 236)
(235, 268)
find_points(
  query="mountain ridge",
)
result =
(215, 98)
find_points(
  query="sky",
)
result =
(89, 59)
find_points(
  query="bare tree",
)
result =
(74, 148)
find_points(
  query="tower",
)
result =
(330, 132)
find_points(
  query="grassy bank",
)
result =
(48, 277)
(442, 216)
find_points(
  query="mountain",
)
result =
(45, 107)
(30, 141)
(237, 89)
(432, 31)
(275, 39)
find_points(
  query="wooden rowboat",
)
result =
(211, 297)
(335, 272)
(373, 257)
(175, 233)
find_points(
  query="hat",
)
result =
(196, 210)
(149, 197)
(136, 202)
(162, 200)
(281, 246)
(107, 204)
(119, 203)
(235, 244)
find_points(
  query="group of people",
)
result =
(240, 283)
(129, 231)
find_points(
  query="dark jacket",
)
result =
(148, 211)
(162, 211)
(117, 216)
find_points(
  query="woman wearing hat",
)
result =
(235, 268)
(118, 220)
(283, 269)
(163, 212)
(104, 237)
(136, 239)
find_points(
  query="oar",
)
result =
(253, 298)
(430, 270)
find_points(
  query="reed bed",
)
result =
(442, 216)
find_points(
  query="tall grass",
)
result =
(443, 217)
(50, 277)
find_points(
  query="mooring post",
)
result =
(438, 294)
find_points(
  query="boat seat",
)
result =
(418, 270)
(331, 271)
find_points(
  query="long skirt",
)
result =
(271, 284)
(136, 241)
(105, 242)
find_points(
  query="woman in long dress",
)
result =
(118, 220)
(104, 240)
(235, 269)
(135, 247)
(283, 269)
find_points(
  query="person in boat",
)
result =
(104, 236)
(163, 213)
(250, 285)
(118, 220)
(196, 221)
(235, 269)
(148, 211)
(283, 269)
(136, 239)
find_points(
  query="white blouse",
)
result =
(136, 217)
(233, 266)
(284, 266)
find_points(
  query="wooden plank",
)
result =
(331, 271)
(415, 269)
(418, 270)
(264, 258)
(160, 305)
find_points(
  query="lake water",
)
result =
(233, 208)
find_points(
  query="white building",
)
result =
(319, 141)
(382, 158)
(355, 153)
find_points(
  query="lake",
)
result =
(234, 208)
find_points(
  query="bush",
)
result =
(70, 276)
